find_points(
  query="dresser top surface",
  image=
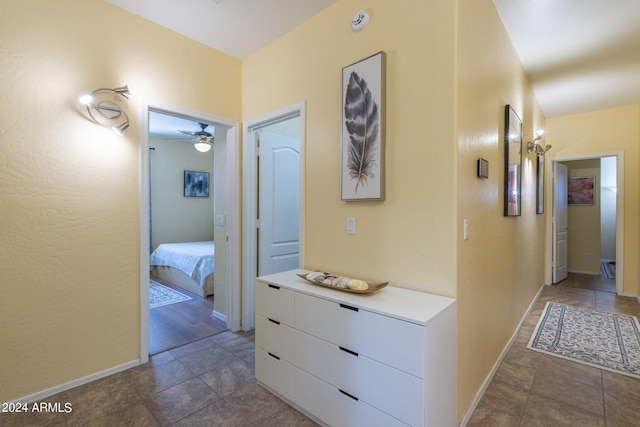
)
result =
(412, 306)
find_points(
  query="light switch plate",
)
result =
(466, 229)
(351, 226)
(220, 220)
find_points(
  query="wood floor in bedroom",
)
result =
(174, 325)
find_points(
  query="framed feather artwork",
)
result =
(363, 89)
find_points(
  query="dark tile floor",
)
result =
(209, 382)
(535, 389)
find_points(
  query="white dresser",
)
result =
(381, 359)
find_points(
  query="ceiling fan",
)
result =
(202, 138)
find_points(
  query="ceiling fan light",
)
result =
(202, 147)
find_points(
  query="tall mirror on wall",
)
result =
(512, 162)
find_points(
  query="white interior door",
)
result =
(560, 226)
(279, 203)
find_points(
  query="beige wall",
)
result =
(606, 131)
(408, 239)
(69, 189)
(501, 266)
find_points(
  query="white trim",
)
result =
(494, 369)
(233, 217)
(76, 383)
(219, 316)
(619, 155)
(249, 204)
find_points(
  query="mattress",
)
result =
(195, 259)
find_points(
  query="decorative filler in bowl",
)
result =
(342, 283)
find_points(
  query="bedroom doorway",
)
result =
(273, 219)
(203, 215)
(186, 193)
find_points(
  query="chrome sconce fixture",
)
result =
(107, 113)
(534, 146)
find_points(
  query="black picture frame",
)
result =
(512, 162)
(196, 184)
(540, 186)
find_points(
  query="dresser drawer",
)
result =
(274, 337)
(396, 393)
(391, 341)
(274, 302)
(277, 374)
(336, 408)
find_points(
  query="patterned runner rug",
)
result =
(604, 340)
(160, 295)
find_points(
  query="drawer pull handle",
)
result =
(346, 350)
(348, 395)
(274, 321)
(274, 356)
(274, 287)
(348, 307)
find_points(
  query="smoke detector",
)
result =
(360, 20)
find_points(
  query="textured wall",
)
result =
(407, 239)
(501, 266)
(69, 189)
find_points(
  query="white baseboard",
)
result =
(590, 273)
(219, 316)
(75, 383)
(494, 369)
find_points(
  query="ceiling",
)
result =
(236, 27)
(580, 55)
(168, 127)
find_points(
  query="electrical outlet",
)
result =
(588, 256)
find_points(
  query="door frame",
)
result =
(249, 201)
(233, 213)
(550, 199)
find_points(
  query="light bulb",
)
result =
(85, 99)
(202, 147)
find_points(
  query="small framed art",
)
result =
(582, 190)
(196, 184)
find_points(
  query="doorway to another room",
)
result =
(588, 222)
(184, 199)
(189, 233)
(273, 198)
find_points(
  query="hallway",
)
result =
(535, 389)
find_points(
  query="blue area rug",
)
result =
(160, 295)
(604, 340)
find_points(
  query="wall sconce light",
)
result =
(534, 146)
(108, 112)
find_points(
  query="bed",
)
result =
(187, 265)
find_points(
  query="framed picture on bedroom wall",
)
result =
(196, 184)
(362, 169)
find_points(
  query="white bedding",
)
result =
(195, 259)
